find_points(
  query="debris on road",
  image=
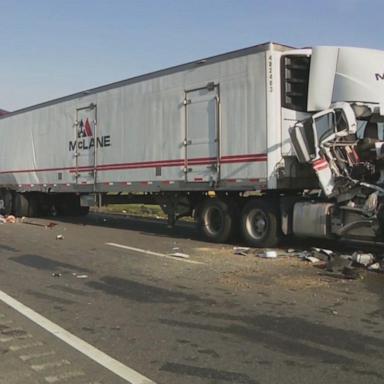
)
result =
(268, 254)
(365, 259)
(56, 274)
(59, 237)
(375, 267)
(308, 256)
(8, 219)
(242, 251)
(81, 276)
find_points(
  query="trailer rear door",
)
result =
(201, 142)
(86, 139)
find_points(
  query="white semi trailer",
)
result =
(269, 140)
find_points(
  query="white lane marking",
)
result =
(75, 342)
(151, 253)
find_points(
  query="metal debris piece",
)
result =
(374, 267)
(365, 259)
(268, 254)
(242, 251)
(81, 276)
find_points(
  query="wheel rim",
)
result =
(257, 224)
(214, 220)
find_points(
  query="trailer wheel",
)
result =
(259, 224)
(214, 220)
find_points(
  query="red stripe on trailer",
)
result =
(151, 164)
(243, 158)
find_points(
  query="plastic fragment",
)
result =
(268, 254)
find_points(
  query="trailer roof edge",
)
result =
(151, 75)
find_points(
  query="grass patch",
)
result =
(140, 210)
(135, 210)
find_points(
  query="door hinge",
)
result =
(187, 101)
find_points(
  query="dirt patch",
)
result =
(300, 282)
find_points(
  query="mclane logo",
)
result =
(379, 76)
(85, 139)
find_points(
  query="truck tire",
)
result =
(260, 224)
(215, 221)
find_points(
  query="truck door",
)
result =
(86, 139)
(201, 142)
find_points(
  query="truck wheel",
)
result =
(215, 221)
(259, 224)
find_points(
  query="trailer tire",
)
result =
(260, 224)
(215, 221)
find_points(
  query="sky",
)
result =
(52, 48)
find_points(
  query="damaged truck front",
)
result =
(341, 144)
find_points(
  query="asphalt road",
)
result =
(221, 318)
